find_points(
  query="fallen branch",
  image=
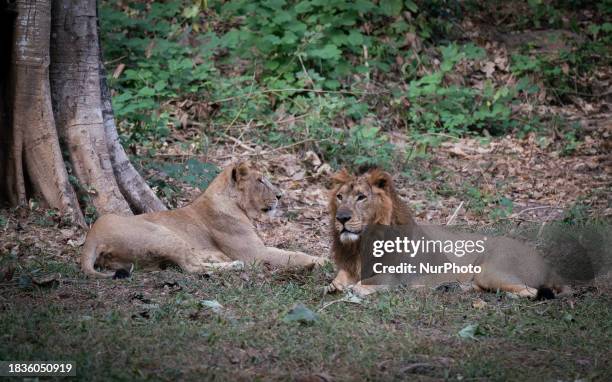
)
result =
(238, 142)
(268, 152)
(454, 215)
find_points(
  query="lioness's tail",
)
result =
(88, 260)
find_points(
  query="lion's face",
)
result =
(256, 194)
(357, 201)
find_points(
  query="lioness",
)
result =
(368, 198)
(214, 231)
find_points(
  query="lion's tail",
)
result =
(88, 260)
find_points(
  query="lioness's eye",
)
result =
(339, 197)
(360, 197)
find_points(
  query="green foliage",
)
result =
(160, 66)
(565, 72)
(302, 41)
(346, 71)
(193, 172)
(454, 108)
(577, 214)
(361, 144)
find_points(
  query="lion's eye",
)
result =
(339, 197)
(361, 197)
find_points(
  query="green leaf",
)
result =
(123, 97)
(328, 52)
(146, 92)
(303, 7)
(355, 38)
(412, 7)
(469, 331)
(212, 304)
(160, 85)
(282, 17)
(271, 65)
(191, 12)
(300, 313)
(332, 84)
(391, 7)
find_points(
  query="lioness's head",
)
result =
(359, 200)
(256, 193)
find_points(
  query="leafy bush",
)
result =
(453, 108)
(302, 41)
(346, 72)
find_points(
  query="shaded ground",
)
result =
(160, 325)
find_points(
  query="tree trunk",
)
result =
(56, 96)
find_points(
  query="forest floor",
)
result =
(167, 325)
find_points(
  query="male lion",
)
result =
(368, 198)
(214, 231)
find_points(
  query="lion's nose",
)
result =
(343, 216)
(278, 196)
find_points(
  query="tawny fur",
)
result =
(215, 231)
(508, 265)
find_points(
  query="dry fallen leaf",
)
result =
(479, 303)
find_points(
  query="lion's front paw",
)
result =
(333, 288)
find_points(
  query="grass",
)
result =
(154, 327)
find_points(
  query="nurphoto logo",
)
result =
(397, 255)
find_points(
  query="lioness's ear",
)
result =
(240, 171)
(341, 177)
(380, 179)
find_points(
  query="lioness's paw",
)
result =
(236, 265)
(321, 261)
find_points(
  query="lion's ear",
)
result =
(341, 177)
(380, 179)
(240, 172)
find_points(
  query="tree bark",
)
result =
(33, 145)
(56, 98)
(133, 187)
(77, 101)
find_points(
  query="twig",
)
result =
(454, 215)
(238, 142)
(258, 124)
(106, 63)
(330, 303)
(537, 303)
(537, 208)
(267, 152)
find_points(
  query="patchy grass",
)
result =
(155, 326)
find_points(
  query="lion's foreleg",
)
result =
(202, 261)
(342, 281)
(495, 280)
(207, 267)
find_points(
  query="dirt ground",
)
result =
(162, 326)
